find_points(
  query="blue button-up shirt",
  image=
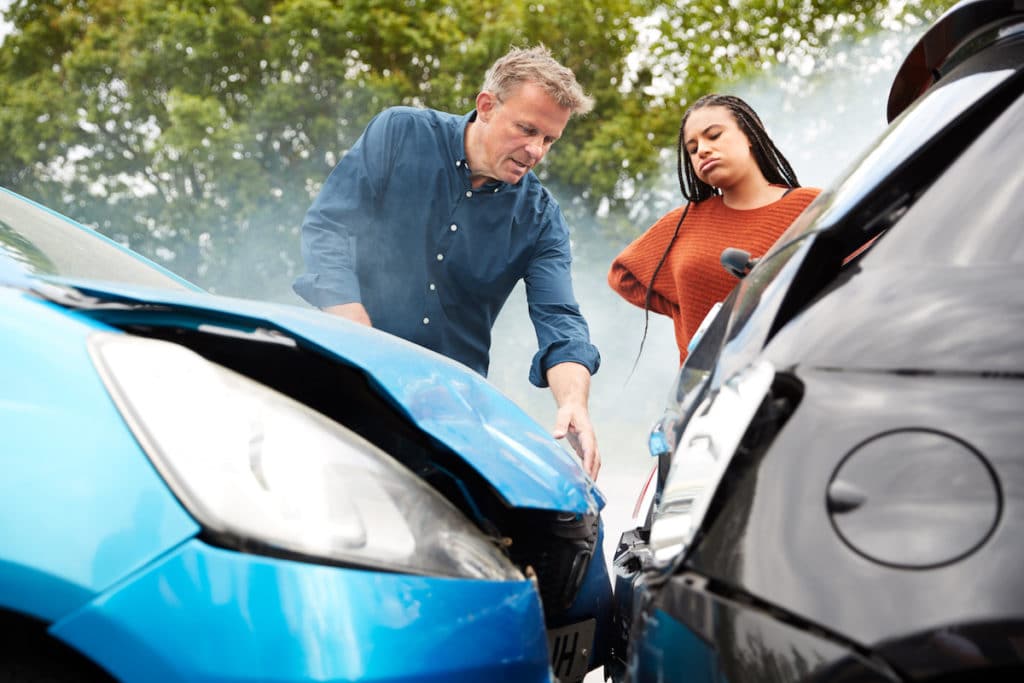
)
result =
(398, 227)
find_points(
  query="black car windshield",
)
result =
(922, 121)
(972, 216)
(46, 244)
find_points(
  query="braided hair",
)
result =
(774, 166)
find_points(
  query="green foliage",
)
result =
(198, 131)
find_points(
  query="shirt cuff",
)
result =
(343, 290)
(562, 351)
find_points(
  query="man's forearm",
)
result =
(353, 311)
(570, 384)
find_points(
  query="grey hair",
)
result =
(536, 65)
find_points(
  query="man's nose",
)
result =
(535, 150)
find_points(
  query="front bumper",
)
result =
(207, 614)
(680, 629)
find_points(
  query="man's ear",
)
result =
(486, 102)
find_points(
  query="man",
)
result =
(429, 221)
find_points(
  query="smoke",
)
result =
(822, 121)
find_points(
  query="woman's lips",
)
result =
(708, 165)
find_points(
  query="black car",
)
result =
(841, 490)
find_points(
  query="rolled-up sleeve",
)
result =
(562, 332)
(344, 207)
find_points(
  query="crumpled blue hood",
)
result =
(443, 398)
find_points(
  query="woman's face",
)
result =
(720, 152)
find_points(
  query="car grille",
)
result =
(558, 547)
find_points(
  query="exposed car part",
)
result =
(268, 472)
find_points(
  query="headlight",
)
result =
(249, 462)
(701, 458)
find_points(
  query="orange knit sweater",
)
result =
(692, 278)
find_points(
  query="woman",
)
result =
(742, 193)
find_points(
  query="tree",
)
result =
(198, 131)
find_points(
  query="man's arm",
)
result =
(570, 384)
(331, 229)
(355, 312)
(565, 358)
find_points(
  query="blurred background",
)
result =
(198, 132)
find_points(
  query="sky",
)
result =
(5, 27)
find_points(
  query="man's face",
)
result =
(514, 133)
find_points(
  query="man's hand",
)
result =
(354, 312)
(570, 383)
(573, 423)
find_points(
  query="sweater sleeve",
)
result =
(625, 281)
(631, 271)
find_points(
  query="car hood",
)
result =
(893, 319)
(444, 399)
(928, 320)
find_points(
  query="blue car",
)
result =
(210, 489)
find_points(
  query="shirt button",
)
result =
(453, 227)
(440, 257)
(432, 286)
(469, 193)
(426, 321)
(496, 189)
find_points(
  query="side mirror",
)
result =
(737, 261)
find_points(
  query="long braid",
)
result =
(775, 167)
(650, 285)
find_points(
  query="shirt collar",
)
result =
(459, 150)
(459, 138)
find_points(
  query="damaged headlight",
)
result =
(705, 450)
(252, 464)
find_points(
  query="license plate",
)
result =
(569, 647)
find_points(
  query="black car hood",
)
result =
(942, 319)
